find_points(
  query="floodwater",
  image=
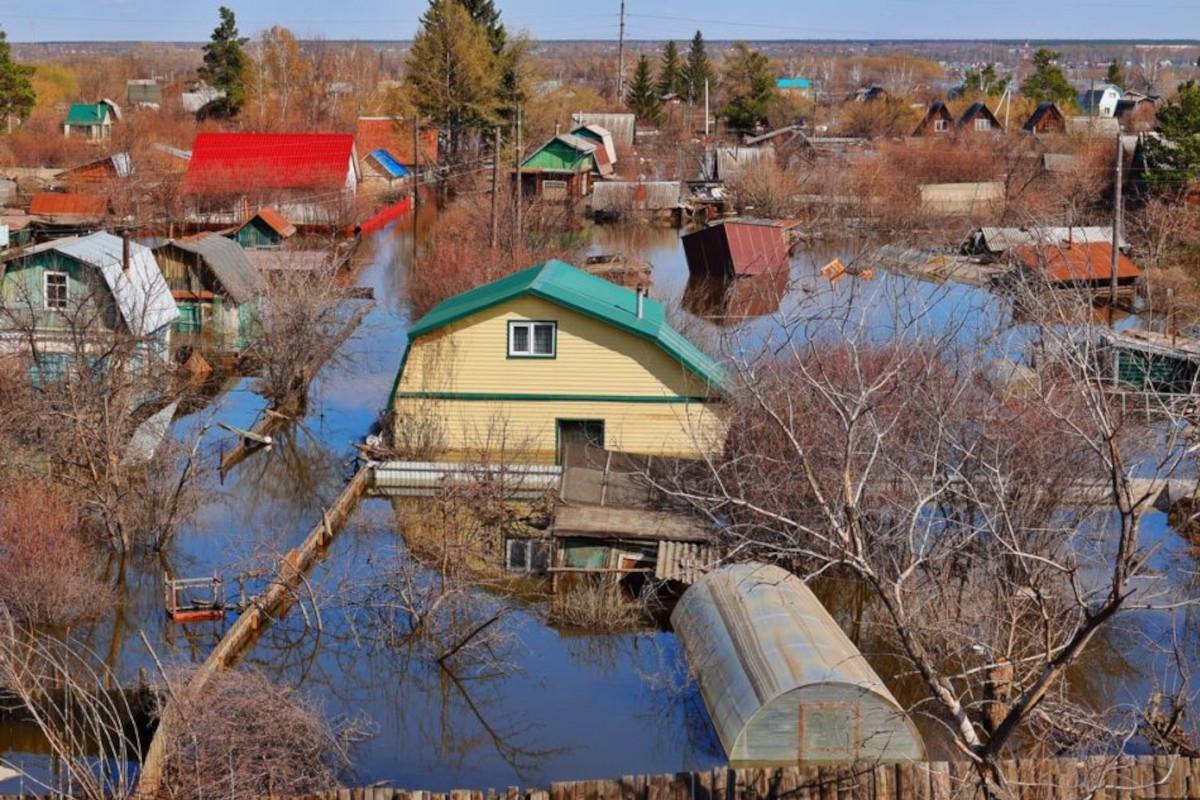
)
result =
(560, 705)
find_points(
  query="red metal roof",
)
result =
(1079, 261)
(395, 137)
(224, 163)
(737, 247)
(275, 221)
(50, 204)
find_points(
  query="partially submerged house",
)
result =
(560, 169)
(265, 229)
(1046, 118)
(636, 199)
(1077, 265)
(737, 246)
(310, 178)
(978, 118)
(215, 287)
(782, 682)
(100, 284)
(938, 121)
(995, 243)
(548, 356)
(92, 121)
(733, 300)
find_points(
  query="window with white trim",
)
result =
(55, 290)
(983, 124)
(532, 339)
(941, 125)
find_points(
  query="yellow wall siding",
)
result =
(592, 358)
(526, 430)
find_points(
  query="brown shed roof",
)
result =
(1079, 261)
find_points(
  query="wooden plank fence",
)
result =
(1096, 778)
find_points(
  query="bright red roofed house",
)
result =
(311, 178)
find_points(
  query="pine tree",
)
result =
(1115, 74)
(485, 14)
(16, 88)
(453, 73)
(1047, 81)
(670, 72)
(1173, 160)
(984, 81)
(225, 64)
(749, 87)
(642, 97)
(697, 70)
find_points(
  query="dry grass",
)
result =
(598, 605)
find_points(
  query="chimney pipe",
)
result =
(125, 251)
(641, 300)
(556, 128)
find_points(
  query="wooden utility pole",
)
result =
(520, 186)
(621, 56)
(1116, 232)
(496, 188)
(416, 160)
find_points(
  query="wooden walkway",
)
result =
(272, 604)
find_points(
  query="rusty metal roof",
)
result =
(782, 683)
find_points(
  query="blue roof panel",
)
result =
(389, 163)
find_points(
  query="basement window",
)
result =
(532, 339)
(56, 290)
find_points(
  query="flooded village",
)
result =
(482, 415)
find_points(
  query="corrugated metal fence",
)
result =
(1102, 778)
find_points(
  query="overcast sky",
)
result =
(193, 20)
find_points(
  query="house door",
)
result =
(579, 431)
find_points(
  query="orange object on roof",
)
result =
(50, 204)
(275, 221)
(1078, 261)
(395, 137)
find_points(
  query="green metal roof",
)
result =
(563, 153)
(565, 285)
(87, 114)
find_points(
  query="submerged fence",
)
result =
(1102, 778)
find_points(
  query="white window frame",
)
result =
(940, 126)
(531, 325)
(46, 290)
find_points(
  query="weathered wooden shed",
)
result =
(215, 288)
(265, 230)
(742, 246)
(782, 683)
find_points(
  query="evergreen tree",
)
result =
(697, 70)
(485, 14)
(670, 72)
(16, 88)
(1115, 74)
(1047, 81)
(642, 96)
(984, 81)
(225, 65)
(453, 73)
(749, 87)
(508, 54)
(1173, 160)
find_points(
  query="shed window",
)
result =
(56, 290)
(941, 125)
(532, 339)
(527, 555)
(983, 124)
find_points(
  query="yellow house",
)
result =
(548, 356)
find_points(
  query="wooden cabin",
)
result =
(92, 121)
(215, 288)
(938, 121)
(548, 356)
(1046, 118)
(1079, 265)
(978, 118)
(560, 169)
(112, 282)
(265, 230)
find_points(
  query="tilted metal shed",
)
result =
(782, 683)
